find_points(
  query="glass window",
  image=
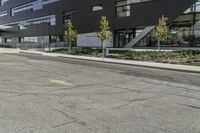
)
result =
(51, 20)
(56, 38)
(30, 39)
(35, 5)
(123, 8)
(97, 8)
(194, 8)
(8, 40)
(68, 15)
(3, 13)
(3, 2)
(123, 37)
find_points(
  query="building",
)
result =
(36, 23)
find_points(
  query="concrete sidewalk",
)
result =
(185, 68)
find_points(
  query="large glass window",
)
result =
(97, 8)
(194, 8)
(51, 20)
(56, 38)
(3, 13)
(185, 30)
(35, 5)
(123, 37)
(68, 15)
(31, 39)
(123, 8)
(8, 40)
(3, 2)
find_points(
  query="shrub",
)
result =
(191, 57)
(6, 46)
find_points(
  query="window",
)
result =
(56, 38)
(46, 19)
(3, 13)
(35, 5)
(51, 20)
(3, 2)
(194, 8)
(21, 8)
(68, 15)
(8, 40)
(123, 11)
(122, 37)
(30, 39)
(97, 8)
(123, 8)
(4, 27)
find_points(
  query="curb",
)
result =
(136, 65)
(23, 52)
(172, 67)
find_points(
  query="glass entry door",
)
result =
(123, 37)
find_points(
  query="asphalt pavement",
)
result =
(40, 94)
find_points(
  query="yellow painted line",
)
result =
(61, 82)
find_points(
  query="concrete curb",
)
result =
(182, 68)
(172, 67)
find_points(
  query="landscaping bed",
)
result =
(187, 57)
(6, 46)
(80, 51)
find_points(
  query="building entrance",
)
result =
(123, 37)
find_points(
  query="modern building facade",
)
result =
(36, 22)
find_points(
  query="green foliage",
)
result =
(79, 51)
(192, 39)
(173, 39)
(104, 33)
(70, 34)
(161, 30)
(186, 57)
(6, 46)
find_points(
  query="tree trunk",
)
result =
(103, 51)
(70, 46)
(158, 42)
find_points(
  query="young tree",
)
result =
(161, 30)
(70, 34)
(104, 33)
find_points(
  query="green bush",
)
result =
(78, 51)
(6, 46)
(188, 57)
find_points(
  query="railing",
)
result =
(39, 46)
